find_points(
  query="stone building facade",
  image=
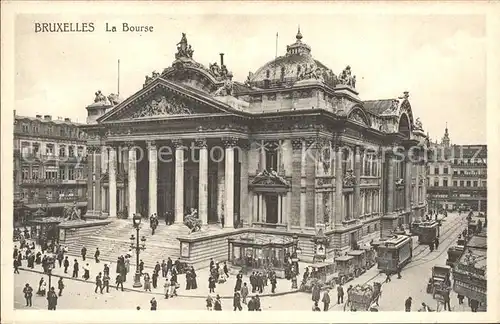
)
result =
(49, 165)
(457, 176)
(293, 148)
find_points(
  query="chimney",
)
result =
(67, 120)
(39, 116)
(47, 117)
(221, 59)
(14, 112)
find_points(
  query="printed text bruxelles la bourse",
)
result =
(88, 27)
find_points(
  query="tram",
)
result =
(429, 231)
(394, 253)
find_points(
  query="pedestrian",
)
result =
(169, 264)
(217, 304)
(155, 279)
(98, 282)
(273, 283)
(105, 271)
(399, 273)
(408, 304)
(16, 266)
(388, 277)
(166, 288)
(436, 243)
(244, 293)
(83, 252)
(105, 281)
(251, 304)
(154, 304)
(211, 284)
(147, 282)
(237, 301)
(60, 286)
(212, 263)
(66, 264)
(52, 299)
(226, 270)
(141, 267)
(76, 268)
(315, 307)
(194, 282)
(119, 281)
(60, 258)
(28, 294)
(210, 302)
(239, 281)
(460, 299)
(446, 300)
(96, 255)
(86, 272)
(163, 269)
(474, 305)
(340, 294)
(173, 287)
(326, 301)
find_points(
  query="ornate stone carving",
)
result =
(160, 106)
(177, 143)
(184, 50)
(346, 78)
(399, 182)
(100, 98)
(230, 141)
(310, 71)
(201, 143)
(356, 117)
(114, 99)
(150, 79)
(349, 179)
(226, 89)
(326, 208)
(270, 178)
(418, 124)
(326, 158)
(151, 145)
(297, 143)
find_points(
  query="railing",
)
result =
(461, 175)
(53, 200)
(53, 181)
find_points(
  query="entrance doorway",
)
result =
(271, 209)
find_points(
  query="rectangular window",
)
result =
(461, 183)
(271, 152)
(26, 128)
(462, 172)
(445, 170)
(49, 149)
(475, 183)
(80, 150)
(62, 173)
(71, 151)
(34, 173)
(455, 172)
(35, 129)
(71, 174)
(49, 130)
(445, 183)
(62, 132)
(436, 183)
(468, 183)
(62, 151)
(436, 170)
(25, 173)
(455, 183)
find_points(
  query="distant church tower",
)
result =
(445, 141)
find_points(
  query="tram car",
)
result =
(429, 231)
(394, 253)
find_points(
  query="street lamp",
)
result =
(136, 219)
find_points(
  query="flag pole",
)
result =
(118, 77)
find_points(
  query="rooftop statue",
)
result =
(183, 49)
(418, 123)
(347, 79)
(99, 97)
(114, 99)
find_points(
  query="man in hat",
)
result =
(326, 301)
(408, 304)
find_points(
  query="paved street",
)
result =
(80, 294)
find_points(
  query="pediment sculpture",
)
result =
(349, 178)
(153, 76)
(161, 106)
(219, 72)
(184, 50)
(310, 71)
(356, 116)
(270, 178)
(226, 89)
(347, 78)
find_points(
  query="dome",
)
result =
(297, 61)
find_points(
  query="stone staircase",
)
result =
(113, 240)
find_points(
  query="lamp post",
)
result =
(136, 219)
(297, 251)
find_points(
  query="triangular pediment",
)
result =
(166, 99)
(269, 178)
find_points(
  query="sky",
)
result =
(440, 59)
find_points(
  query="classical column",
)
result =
(112, 181)
(416, 198)
(357, 175)
(90, 178)
(245, 198)
(339, 186)
(296, 185)
(390, 183)
(98, 189)
(179, 181)
(261, 209)
(132, 175)
(424, 184)
(262, 155)
(104, 158)
(229, 183)
(255, 208)
(408, 165)
(479, 205)
(279, 207)
(203, 181)
(153, 177)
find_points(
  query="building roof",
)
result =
(48, 121)
(377, 107)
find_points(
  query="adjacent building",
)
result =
(49, 165)
(293, 149)
(457, 176)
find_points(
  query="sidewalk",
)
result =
(225, 290)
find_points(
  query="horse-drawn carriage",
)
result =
(364, 298)
(322, 274)
(359, 261)
(440, 282)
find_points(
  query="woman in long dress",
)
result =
(42, 287)
(86, 272)
(194, 284)
(147, 282)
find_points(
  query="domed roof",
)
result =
(297, 60)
